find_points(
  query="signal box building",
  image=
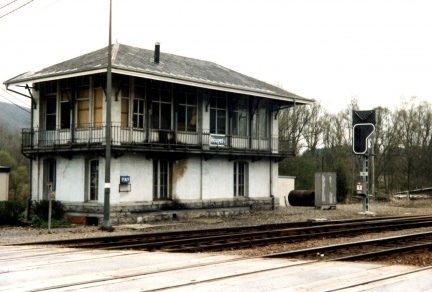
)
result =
(185, 133)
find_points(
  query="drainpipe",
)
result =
(271, 163)
(271, 184)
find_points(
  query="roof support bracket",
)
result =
(233, 157)
(256, 107)
(33, 102)
(208, 156)
(207, 105)
(277, 112)
(256, 158)
(278, 159)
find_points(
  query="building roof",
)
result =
(139, 62)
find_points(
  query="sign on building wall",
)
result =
(124, 185)
(217, 140)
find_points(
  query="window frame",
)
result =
(162, 99)
(49, 175)
(65, 108)
(139, 105)
(240, 179)
(187, 112)
(218, 111)
(260, 120)
(93, 196)
(161, 179)
(83, 100)
(240, 122)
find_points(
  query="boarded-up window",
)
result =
(83, 108)
(98, 101)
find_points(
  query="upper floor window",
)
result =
(98, 94)
(218, 116)
(125, 104)
(50, 108)
(161, 107)
(83, 102)
(187, 112)
(260, 120)
(240, 120)
(51, 112)
(138, 119)
(65, 108)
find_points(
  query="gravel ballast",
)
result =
(13, 235)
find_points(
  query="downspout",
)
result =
(271, 185)
(33, 107)
(271, 165)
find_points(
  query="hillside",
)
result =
(13, 118)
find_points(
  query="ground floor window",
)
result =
(161, 178)
(49, 177)
(93, 179)
(240, 179)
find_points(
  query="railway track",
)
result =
(364, 250)
(228, 238)
(245, 237)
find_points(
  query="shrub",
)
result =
(41, 209)
(11, 212)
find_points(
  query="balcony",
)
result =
(147, 140)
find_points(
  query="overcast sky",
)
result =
(328, 50)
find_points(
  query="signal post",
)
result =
(363, 127)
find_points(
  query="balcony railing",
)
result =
(40, 139)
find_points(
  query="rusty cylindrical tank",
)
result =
(302, 198)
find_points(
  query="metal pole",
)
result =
(106, 226)
(366, 184)
(30, 197)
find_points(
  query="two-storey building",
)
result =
(185, 133)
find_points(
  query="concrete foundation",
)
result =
(142, 212)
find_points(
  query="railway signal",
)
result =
(363, 128)
(361, 134)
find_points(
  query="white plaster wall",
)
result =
(70, 179)
(217, 178)
(259, 178)
(285, 184)
(186, 179)
(140, 170)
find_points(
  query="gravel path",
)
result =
(10, 235)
